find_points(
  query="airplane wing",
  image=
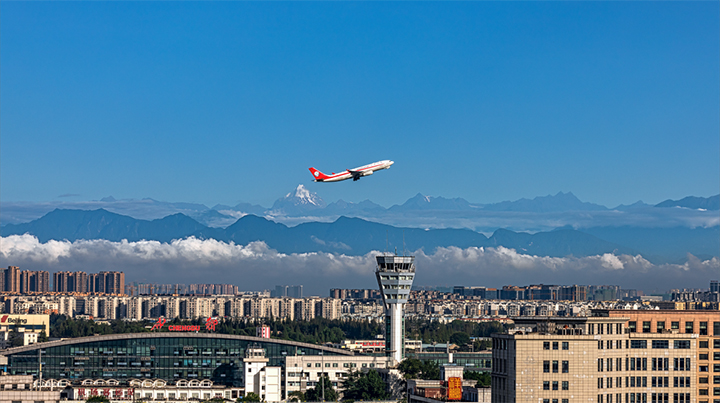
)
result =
(356, 175)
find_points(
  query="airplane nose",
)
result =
(391, 162)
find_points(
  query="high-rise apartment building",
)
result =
(34, 281)
(11, 277)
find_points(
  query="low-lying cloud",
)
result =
(256, 266)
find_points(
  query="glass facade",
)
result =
(170, 357)
(472, 361)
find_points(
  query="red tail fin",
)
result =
(319, 176)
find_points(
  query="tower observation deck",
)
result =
(395, 275)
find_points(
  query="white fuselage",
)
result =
(358, 172)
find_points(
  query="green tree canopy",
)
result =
(482, 378)
(460, 338)
(251, 397)
(16, 338)
(315, 394)
(365, 386)
(413, 368)
(296, 396)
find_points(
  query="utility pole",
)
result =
(322, 375)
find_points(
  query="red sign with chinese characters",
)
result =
(210, 324)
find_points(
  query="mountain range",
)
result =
(543, 213)
(354, 236)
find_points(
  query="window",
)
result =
(555, 345)
(703, 379)
(683, 344)
(565, 367)
(546, 366)
(675, 325)
(703, 344)
(703, 356)
(716, 356)
(703, 329)
(646, 327)
(546, 345)
(555, 385)
(716, 379)
(716, 330)
(566, 345)
(565, 385)
(689, 327)
(632, 326)
(660, 327)
(638, 343)
(546, 385)
(660, 344)
(555, 367)
(716, 342)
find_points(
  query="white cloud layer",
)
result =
(256, 266)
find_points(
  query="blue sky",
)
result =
(221, 102)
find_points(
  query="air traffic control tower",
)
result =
(395, 275)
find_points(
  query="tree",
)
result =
(410, 368)
(97, 399)
(251, 397)
(482, 344)
(42, 337)
(413, 368)
(482, 378)
(316, 394)
(16, 339)
(460, 338)
(296, 396)
(365, 386)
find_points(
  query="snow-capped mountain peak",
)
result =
(301, 198)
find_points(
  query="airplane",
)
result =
(355, 174)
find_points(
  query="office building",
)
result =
(592, 359)
(702, 325)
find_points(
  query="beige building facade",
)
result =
(592, 359)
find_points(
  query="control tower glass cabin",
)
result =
(395, 275)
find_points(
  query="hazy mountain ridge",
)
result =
(543, 213)
(692, 202)
(354, 236)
